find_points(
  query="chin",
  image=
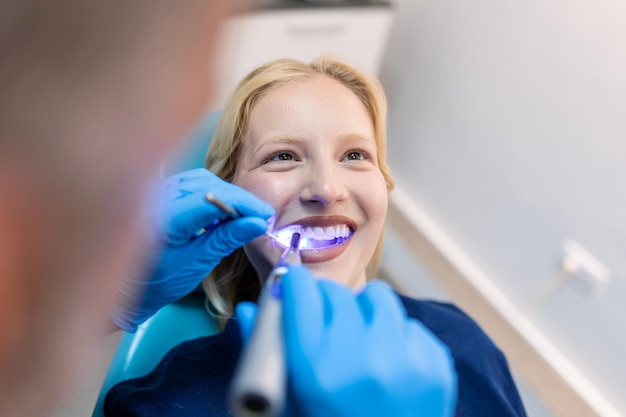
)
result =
(353, 281)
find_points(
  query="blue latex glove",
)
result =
(177, 258)
(358, 355)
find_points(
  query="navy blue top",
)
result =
(193, 378)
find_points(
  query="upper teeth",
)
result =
(326, 233)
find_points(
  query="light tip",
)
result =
(295, 241)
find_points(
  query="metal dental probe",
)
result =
(232, 213)
(222, 206)
(229, 210)
(259, 384)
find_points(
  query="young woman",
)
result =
(310, 139)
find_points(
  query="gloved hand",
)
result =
(176, 258)
(358, 355)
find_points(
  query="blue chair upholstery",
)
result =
(138, 353)
(192, 150)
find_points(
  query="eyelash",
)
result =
(363, 156)
(275, 157)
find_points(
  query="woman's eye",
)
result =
(355, 156)
(280, 156)
(283, 157)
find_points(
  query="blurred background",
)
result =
(507, 137)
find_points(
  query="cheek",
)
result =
(375, 199)
(277, 190)
(383, 200)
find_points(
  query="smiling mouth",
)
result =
(315, 237)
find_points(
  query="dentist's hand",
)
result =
(357, 355)
(176, 257)
(360, 355)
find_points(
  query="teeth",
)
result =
(326, 233)
(317, 233)
(313, 237)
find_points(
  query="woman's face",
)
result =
(309, 150)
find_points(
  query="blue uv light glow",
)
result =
(283, 238)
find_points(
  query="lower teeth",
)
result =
(320, 244)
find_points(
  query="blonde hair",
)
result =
(235, 279)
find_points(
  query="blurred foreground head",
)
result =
(92, 94)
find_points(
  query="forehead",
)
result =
(320, 102)
(318, 86)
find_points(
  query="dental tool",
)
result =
(282, 237)
(231, 212)
(259, 384)
(228, 209)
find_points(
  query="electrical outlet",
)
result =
(588, 275)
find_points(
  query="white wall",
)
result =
(508, 127)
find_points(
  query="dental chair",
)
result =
(138, 353)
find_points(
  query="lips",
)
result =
(321, 238)
(316, 237)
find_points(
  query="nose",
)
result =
(324, 186)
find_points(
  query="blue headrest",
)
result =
(191, 152)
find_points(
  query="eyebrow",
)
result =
(283, 139)
(290, 140)
(287, 140)
(357, 137)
